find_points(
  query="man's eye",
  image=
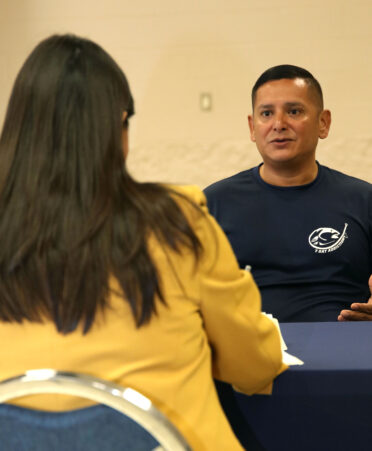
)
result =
(266, 113)
(294, 111)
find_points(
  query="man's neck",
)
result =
(288, 176)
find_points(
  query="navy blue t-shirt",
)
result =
(309, 246)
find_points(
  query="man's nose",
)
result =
(279, 122)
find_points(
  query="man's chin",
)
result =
(282, 156)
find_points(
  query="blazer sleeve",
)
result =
(246, 350)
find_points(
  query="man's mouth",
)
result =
(281, 140)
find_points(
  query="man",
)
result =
(304, 230)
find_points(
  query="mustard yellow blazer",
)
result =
(212, 326)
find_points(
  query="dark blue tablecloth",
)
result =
(325, 404)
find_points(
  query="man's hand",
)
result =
(360, 311)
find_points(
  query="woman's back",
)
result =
(169, 359)
(100, 274)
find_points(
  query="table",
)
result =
(325, 404)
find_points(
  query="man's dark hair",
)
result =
(290, 72)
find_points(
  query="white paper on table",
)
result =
(288, 359)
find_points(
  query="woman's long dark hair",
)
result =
(70, 214)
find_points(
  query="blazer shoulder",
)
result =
(192, 192)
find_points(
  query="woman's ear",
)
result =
(124, 135)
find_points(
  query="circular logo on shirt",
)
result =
(327, 239)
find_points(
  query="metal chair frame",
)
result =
(123, 399)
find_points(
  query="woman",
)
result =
(132, 282)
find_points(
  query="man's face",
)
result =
(287, 122)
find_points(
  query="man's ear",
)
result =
(324, 123)
(251, 128)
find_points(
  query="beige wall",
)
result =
(173, 50)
